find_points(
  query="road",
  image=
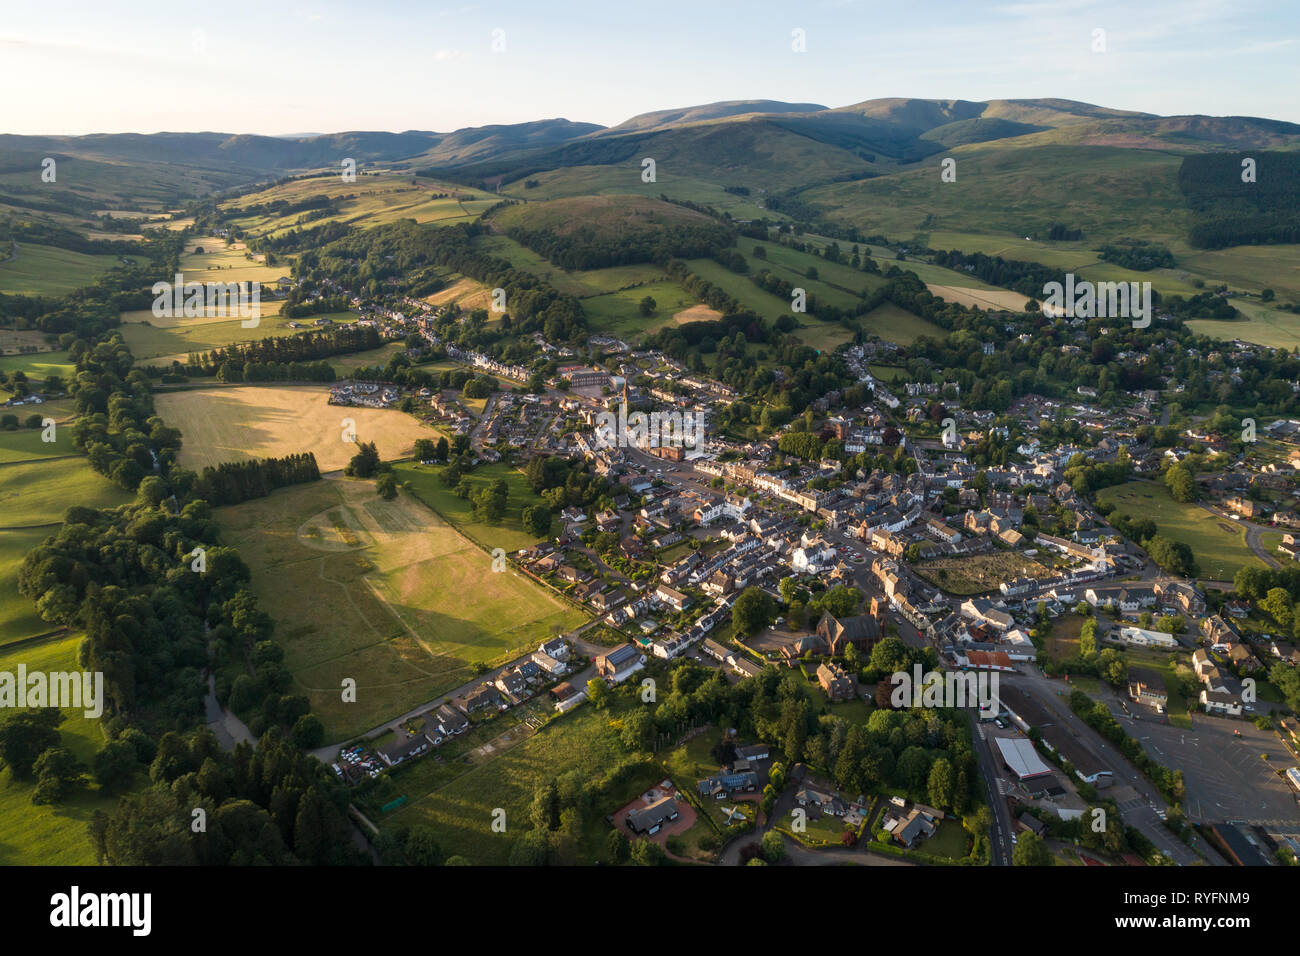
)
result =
(1003, 827)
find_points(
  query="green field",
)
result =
(383, 592)
(618, 313)
(611, 180)
(39, 365)
(51, 835)
(509, 534)
(25, 444)
(39, 492)
(158, 344)
(1219, 545)
(895, 324)
(49, 270)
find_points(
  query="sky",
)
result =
(316, 66)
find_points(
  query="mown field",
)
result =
(1219, 545)
(51, 835)
(249, 421)
(384, 592)
(39, 366)
(49, 270)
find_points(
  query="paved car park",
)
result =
(1226, 778)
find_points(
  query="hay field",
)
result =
(384, 592)
(250, 421)
(998, 300)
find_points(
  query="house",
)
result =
(549, 664)
(485, 695)
(819, 799)
(838, 683)
(451, 721)
(512, 683)
(556, 648)
(672, 597)
(1149, 693)
(1221, 702)
(619, 663)
(753, 753)
(650, 820)
(916, 826)
(405, 749)
(722, 785)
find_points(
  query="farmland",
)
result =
(156, 341)
(243, 422)
(1219, 545)
(49, 270)
(384, 592)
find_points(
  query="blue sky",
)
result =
(311, 66)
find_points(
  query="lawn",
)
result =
(384, 592)
(51, 835)
(1219, 545)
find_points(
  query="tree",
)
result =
(537, 520)
(941, 784)
(598, 693)
(1181, 484)
(618, 847)
(364, 463)
(387, 486)
(1088, 638)
(114, 765)
(308, 732)
(648, 853)
(1277, 602)
(24, 736)
(422, 848)
(773, 846)
(58, 773)
(1031, 850)
(648, 306)
(753, 611)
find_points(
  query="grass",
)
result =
(1218, 545)
(384, 592)
(618, 313)
(51, 835)
(18, 617)
(39, 365)
(895, 324)
(459, 806)
(49, 270)
(508, 533)
(238, 423)
(156, 341)
(34, 493)
(25, 444)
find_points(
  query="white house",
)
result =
(1141, 637)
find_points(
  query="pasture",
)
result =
(241, 422)
(161, 341)
(51, 835)
(384, 592)
(49, 270)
